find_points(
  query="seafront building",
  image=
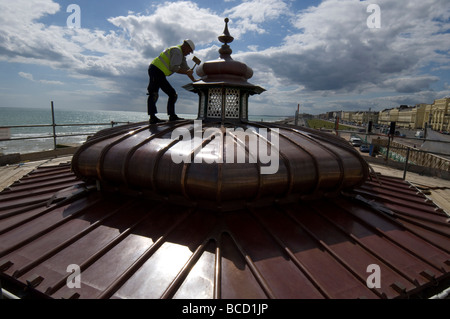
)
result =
(359, 117)
(440, 114)
(435, 115)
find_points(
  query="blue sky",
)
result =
(323, 55)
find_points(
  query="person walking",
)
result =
(171, 60)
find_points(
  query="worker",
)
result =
(171, 60)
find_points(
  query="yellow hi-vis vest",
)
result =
(162, 62)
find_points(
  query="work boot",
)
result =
(174, 117)
(154, 119)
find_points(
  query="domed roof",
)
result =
(219, 164)
(221, 158)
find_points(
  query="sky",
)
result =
(328, 55)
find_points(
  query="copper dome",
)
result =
(221, 158)
(63, 238)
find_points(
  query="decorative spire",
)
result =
(226, 37)
(225, 51)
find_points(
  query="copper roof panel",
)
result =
(134, 247)
(140, 157)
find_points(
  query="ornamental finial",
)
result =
(226, 37)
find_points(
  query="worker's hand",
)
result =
(190, 72)
(192, 78)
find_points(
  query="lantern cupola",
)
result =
(223, 88)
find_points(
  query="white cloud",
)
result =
(115, 60)
(411, 84)
(250, 14)
(24, 40)
(328, 53)
(169, 24)
(30, 77)
(27, 76)
(334, 50)
(25, 12)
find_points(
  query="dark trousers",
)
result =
(158, 81)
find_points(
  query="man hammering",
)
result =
(171, 60)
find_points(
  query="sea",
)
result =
(80, 125)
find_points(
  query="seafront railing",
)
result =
(5, 134)
(53, 135)
(411, 157)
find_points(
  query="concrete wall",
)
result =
(18, 158)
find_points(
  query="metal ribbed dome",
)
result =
(221, 157)
(140, 158)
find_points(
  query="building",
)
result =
(346, 116)
(384, 117)
(436, 116)
(359, 117)
(418, 115)
(404, 117)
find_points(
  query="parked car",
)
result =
(355, 141)
(364, 148)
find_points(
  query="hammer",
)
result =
(196, 61)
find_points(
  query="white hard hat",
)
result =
(191, 44)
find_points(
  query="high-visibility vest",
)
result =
(162, 62)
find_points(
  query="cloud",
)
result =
(24, 40)
(30, 77)
(411, 84)
(25, 12)
(27, 76)
(51, 82)
(169, 24)
(332, 48)
(114, 60)
(327, 53)
(250, 14)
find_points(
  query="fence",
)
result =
(404, 157)
(413, 159)
(6, 136)
(402, 153)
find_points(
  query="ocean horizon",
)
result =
(97, 120)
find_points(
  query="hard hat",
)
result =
(191, 44)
